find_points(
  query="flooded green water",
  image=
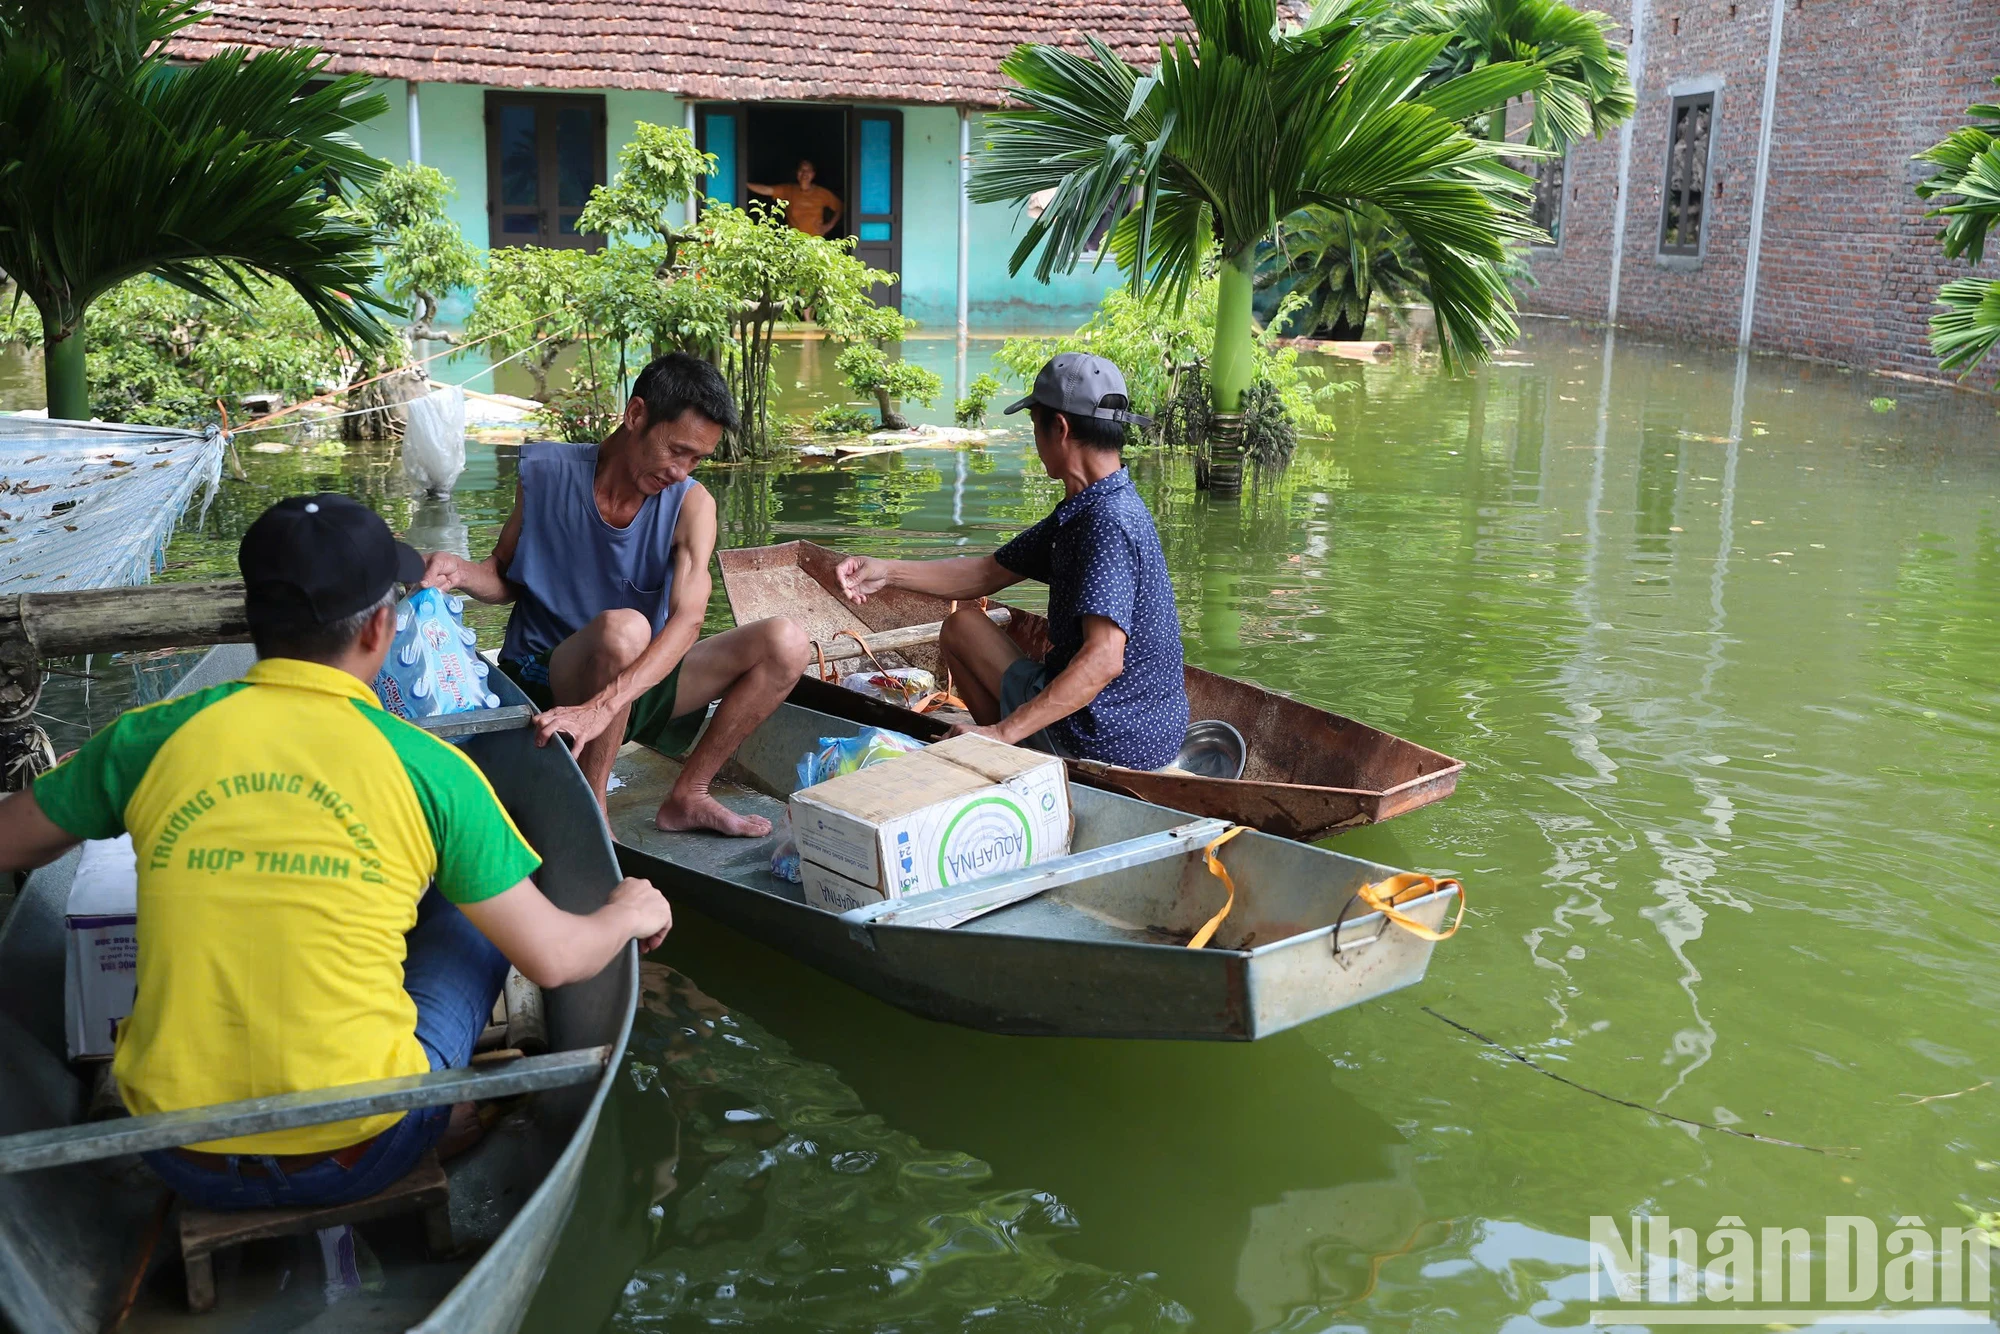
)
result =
(1718, 646)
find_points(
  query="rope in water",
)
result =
(362, 412)
(258, 423)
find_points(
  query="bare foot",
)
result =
(464, 1130)
(705, 812)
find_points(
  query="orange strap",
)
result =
(825, 674)
(1397, 889)
(1220, 872)
(877, 662)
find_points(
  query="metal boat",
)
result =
(68, 1233)
(1091, 944)
(1309, 772)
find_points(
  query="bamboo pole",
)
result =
(845, 648)
(109, 620)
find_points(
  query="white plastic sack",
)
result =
(434, 440)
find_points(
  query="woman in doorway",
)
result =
(813, 209)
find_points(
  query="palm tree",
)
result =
(1968, 176)
(1336, 260)
(1586, 90)
(217, 177)
(1245, 125)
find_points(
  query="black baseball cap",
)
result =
(1083, 386)
(323, 557)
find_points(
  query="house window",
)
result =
(544, 153)
(1547, 213)
(1689, 125)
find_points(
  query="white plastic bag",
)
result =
(434, 441)
(894, 685)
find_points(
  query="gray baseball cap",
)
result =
(1083, 386)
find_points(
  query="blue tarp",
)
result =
(92, 504)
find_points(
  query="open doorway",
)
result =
(857, 156)
(780, 137)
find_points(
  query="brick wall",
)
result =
(1848, 265)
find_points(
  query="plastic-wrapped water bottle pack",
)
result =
(434, 666)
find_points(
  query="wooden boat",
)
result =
(1309, 773)
(1092, 944)
(69, 1232)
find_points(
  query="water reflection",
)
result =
(1716, 638)
(773, 1197)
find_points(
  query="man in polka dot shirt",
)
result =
(1112, 687)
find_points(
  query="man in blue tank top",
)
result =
(605, 559)
(1113, 685)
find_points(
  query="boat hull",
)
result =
(1105, 956)
(1310, 773)
(66, 1233)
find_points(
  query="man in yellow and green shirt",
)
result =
(286, 828)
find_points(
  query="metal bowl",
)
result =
(1213, 749)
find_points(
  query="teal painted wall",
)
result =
(388, 136)
(454, 141)
(930, 244)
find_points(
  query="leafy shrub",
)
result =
(161, 356)
(585, 410)
(1160, 350)
(841, 419)
(869, 370)
(970, 411)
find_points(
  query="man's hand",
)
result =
(994, 731)
(652, 916)
(443, 571)
(861, 577)
(581, 723)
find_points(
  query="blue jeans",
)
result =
(454, 974)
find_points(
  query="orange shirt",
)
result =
(810, 208)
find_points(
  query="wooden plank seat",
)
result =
(205, 1231)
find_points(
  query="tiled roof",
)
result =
(935, 51)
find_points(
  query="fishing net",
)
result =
(92, 504)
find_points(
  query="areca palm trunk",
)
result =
(1231, 368)
(63, 374)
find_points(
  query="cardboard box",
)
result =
(101, 946)
(956, 811)
(832, 891)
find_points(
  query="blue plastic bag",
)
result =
(836, 756)
(843, 755)
(434, 666)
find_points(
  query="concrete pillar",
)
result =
(1635, 69)
(687, 117)
(1755, 251)
(964, 223)
(416, 124)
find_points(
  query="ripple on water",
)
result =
(783, 1204)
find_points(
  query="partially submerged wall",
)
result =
(1848, 267)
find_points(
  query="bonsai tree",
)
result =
(659, 171)
(425, 256)
(970, 411)
(528, 306)
(1249, 123)
(1966, 185)
(219, 177)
